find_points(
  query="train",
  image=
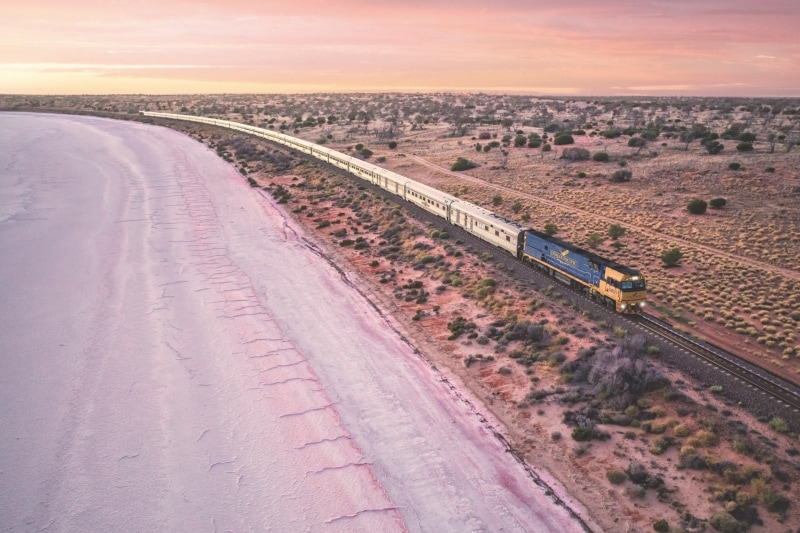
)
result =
(603, 280)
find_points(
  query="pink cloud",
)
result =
(592, 45)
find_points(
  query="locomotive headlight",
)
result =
(623, 306)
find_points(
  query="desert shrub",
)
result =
(745, 147)
(581, 434)
(724, 522)
(573, 153)
(611, 134)
(458, 326)
(550, 228)
(497, 199)
(520, 141)
(616, 476)
(555, 436)
(594, 239)
(621, 176)
(563, 138)
(601, 157)
(671, 257)
(747, 137)
(779, 424)
(717, 203)
(615, 231)
(697, 206)
(392, 145)
(484, 135)
(534, 143)
(661, 525)
(462, 164)
(714, 147)
(637, 142)
(734, 166)
(546, 147)
(504, 370)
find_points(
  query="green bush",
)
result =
(462, 164)
(714, 147)
(393, 145)
(546, 147)
(745, 147)
(779, 424)
(671, 257)
(563, 138)
(615, 231)
(724, 522)
(615, 476)
(734, 166)
(550, 228)
(621, 176)
(520, 140)
(662, 526)
(601, 157)
(637, 142)
(717, 203)
(697, 206)
(581, 434)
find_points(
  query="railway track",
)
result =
(733, 367)
(751, 375)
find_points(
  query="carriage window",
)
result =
(496, 233)
(593, 265)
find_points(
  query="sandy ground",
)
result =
(179, 357)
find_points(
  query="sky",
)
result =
(567, 47)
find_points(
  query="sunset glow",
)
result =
(586, 47)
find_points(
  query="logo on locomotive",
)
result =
(561, 257)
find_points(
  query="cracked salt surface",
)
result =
(179, 357)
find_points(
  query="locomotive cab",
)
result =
(626, 287)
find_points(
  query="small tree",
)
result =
(615, 231)
(697, 206)
(600, 157)
(637, 142)
(671, 257)
(520, 140)
(717, 203)
(550, 228)
(497, 200)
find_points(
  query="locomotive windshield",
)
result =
(638, 285)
